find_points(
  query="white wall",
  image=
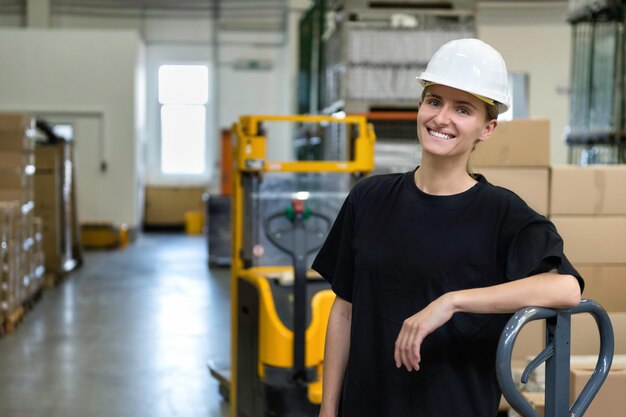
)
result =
(536, 41)
(89, 78)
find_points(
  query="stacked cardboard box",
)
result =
(517, 157)
(55, 204)
(606, 403)
(16, 157)
(588, 207)
(21, 256)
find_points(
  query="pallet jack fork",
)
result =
(556, 355)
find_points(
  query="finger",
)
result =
(416, 346)
(402, 347)
(406, 347)
(397, 353)
(403, 357)
(413, 349)
(406, 360)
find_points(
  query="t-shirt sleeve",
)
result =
(536, 247)
(335, 260)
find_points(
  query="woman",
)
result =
(425, 263)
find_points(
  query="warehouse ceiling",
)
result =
(249, 7)
(235, 14)
(207, 6)
(232, 14)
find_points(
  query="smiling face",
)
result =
(450, 121)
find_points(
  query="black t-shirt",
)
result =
(391, 251)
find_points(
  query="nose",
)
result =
(442, 118)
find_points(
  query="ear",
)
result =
(488, 129)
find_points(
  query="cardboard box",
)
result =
(14, 179)
(21, 195)
(594, 189)
(48, 208)
(593, 240)
(16, 160)
(15, 141)
(609, 402)
(516, 143)
(585, 339)
(16, 121)
(46, 158)
(531, 184)
(529, 342)
(605, 284)
(604, 404)
(51, 242)
(166, 206)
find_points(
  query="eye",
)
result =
(433, 102)
(463, 110)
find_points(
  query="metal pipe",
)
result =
(557, 359)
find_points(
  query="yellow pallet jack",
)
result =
(281, 213)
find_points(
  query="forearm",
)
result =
(543, 290)
(336, 351)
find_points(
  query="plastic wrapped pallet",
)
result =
(9, 256)
(39, 258)
(55, 203)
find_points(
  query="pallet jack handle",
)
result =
(298, 242)
(556, 355)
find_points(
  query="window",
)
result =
(183, 96)
(518, 88)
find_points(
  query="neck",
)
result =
(439, 177)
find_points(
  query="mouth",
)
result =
(440, 135)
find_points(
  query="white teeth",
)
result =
(440, 135)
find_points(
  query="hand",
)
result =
(416, 328)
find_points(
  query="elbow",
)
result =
(571, 295)
(342, 309)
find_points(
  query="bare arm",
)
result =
(335, 355)
(543, 290)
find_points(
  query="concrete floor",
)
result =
(127, 335)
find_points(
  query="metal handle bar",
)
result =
(556, 356)
(298, 250)
(287, 247)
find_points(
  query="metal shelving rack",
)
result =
(369, 55)
(596, 131)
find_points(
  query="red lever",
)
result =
(298, 205)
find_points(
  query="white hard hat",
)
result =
(470, 65)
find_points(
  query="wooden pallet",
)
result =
(33, 299)
(13, 319)
(51, 280)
